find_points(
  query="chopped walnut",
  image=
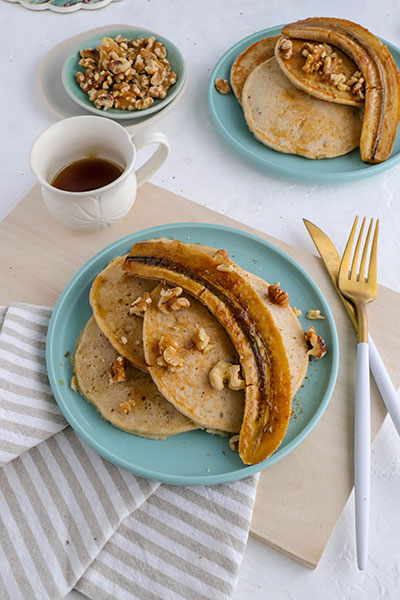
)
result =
(278, 296)
(226, 268)
(286, 49)
(126, 407)
(117, 370)
(170, 300)
(140, 305)
(234, 443)
(201, 339)
(318, 347)
(222, 86)
(297, 311)
(314, 314)
(74, 383)
(167, 347)
(225, 372)
(165, 342)
(141, 63)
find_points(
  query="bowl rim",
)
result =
(124, 115)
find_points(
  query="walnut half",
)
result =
(277, 296)
(226, 372)
(170, 300)
(318, 347)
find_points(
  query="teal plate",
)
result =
(73, 89)
(229, 120)
(195, 457)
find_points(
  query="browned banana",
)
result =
(382, 81)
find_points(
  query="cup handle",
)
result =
(144, 138)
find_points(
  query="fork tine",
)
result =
(365, 253)
(344, 266)
(374, 253)
(354, 265)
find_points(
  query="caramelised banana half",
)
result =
(215, 282)
(382, 80)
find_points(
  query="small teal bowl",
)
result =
(72, 66)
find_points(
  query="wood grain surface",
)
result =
(300, 498)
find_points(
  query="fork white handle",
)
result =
(362, 454)
(384, 384)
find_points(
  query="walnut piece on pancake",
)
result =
(223, 372)
(201, 339)
(126, 407)
(277, 296)
(117, 370)
(222, 86)
(140, 305)
(285, 48)
(314, 314)
(170, 300)
(167, 347)
(318, 347)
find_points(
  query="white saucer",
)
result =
(57, 100)
(60, 6)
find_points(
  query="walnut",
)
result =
(234, 443)
(314, 57)
(286, 49)
(314, 314)
(74, 384)
(201, 339)
(318, 347)
(140, 305)
(101, 99)
(126, 407)
(167, 347)
(225, 372)
(170, 301)
(143, 103)
(117, 370)
(297, 311)
(226, 268)
(165, 342)
(277, 296)
(222, 86)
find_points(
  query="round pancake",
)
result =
(151, 416)
(188, 387)
(248, 60)
(288, 120)
(111, 294)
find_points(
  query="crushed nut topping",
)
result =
(222, 86)
(321, 58)
(125, 74)
(223, 372)
(170, 301)
(140, 305)
(225, 268)
(278, 296)
(201, 339)
(286, 49)
(318, 347)
(126, 407)
(234, 443)
(297, 311)
(314, 314)
(117, 370)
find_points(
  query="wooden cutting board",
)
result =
(300, 498)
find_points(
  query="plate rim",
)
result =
(189, 479)
(123, 116)
(292, 173)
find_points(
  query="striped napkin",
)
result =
(70, 519)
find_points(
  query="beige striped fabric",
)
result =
(70, 519)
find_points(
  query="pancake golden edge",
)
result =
(248, 60)
(288, 120)
(134, 405)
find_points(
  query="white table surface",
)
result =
(202, 168)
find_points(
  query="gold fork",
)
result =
(361, 289)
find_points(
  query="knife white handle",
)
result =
(362, 454)
(385, 385)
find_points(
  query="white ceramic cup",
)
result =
(81, 137)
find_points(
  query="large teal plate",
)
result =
(196, 457)
(228, 118)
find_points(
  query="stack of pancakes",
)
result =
(152, 400)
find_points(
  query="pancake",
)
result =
(111, 294)
(288, 120)
(313, 82)
(248, 60)
(151, 416)
(188, 387)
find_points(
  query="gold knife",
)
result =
(331, 259)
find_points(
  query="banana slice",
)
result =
(214, 281)
(382, 80)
